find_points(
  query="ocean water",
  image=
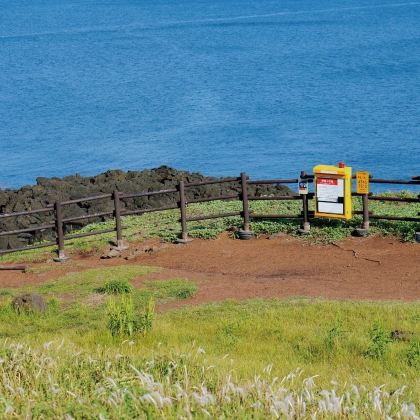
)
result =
(267, 87)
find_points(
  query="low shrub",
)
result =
(413, 354)
(115, 287)
(379, 342)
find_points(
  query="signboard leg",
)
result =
(364, 230)
(306, 226)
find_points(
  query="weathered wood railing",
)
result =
(243, 182)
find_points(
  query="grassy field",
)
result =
(258, 358)
(102, 351)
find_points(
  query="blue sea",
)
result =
(267, 87)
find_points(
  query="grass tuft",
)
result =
(176, 288)
(123, 320)
(115, 287)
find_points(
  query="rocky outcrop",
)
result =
(49, 190)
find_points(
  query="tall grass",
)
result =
(123, 320)
(61, 381)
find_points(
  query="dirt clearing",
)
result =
(373, 268)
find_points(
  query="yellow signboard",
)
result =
(362, 182)
(332, 186)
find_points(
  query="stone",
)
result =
(30, 302)
(147, 249)
(113, 253)
(360, 232)
(399, 335)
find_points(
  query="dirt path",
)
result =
(372, 268)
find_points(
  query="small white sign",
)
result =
(330, 195)
(303, 187)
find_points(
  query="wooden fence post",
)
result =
(58, 211)
(365, 200)
(182, 203)
(364, 229)
(121, 246)
(245, 233)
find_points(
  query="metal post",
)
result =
(306, 226)
(59, 232)
(118, 224)
(184, 239)
(245, 233)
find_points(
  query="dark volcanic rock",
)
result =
(49, 190)
(29, 302)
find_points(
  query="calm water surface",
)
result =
(270, 87)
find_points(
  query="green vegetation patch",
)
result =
(116, 287)
(251, 359)
(79, 302)
(83, 283)
(165, 224)
(177, 288)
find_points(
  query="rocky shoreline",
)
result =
(49, 190)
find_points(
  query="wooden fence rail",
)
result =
(243, 183)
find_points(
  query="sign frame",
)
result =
(332, 188)
(362, 182)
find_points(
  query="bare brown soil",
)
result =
(373, 268)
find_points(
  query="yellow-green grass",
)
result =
(209, 343)
(165, 225)
(76, 303)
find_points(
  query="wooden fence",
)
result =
(58, 221)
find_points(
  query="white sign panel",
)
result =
(330, 195)
(303, 187)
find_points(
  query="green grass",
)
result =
(76, 303)
(221, 347)
(165, 225)
(115, 287)
(177, 288)
(81, 284)
(230, 345)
